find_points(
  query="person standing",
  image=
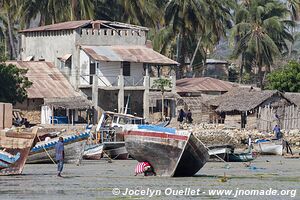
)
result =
(189, 116)
(277, 132)
(60, 155)
(181, 115)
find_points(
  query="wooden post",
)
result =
(52, 116)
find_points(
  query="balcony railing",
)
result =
(109, 81)
(133, 81)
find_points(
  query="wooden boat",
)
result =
(268, 147)
(14, 150)
(170, 152)
(109, 134)
(115, 150)
(44, 151)
(219, 152)
(93, 152)
(239, 157)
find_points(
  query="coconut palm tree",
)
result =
(261, 32)
(194, 20)
(8, 19)
(81, 9)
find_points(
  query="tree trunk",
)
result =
(241, 70)
(162, 106)
(74, 4)
(13, 54)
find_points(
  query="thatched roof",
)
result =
(293, 97)
(242, 99)
(78, 102)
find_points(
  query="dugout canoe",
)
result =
(170, 152)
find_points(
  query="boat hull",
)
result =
(15, 149)
(169, 154)
(73, 147)
(220, 152)
(115, 150)
(269, 148)
(93, 152)
(240, 157)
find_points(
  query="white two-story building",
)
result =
(111, 62)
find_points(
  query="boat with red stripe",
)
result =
(171, 152)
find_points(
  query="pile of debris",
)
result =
(211, 134)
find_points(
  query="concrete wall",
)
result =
(110, 37)
(108, 73)
(84, 68)
(49, 46)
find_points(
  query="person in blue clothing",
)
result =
(277, 132)
(60, 155)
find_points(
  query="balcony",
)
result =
(109, 82)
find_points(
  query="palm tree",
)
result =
(194, 20)
(8, 19)
(47, 11)
(294, 8)
(81, 9)
(162, 84)
(261, 32)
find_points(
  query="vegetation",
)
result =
(186, 30)
(286, 79)
(13, 83)
(162, 84)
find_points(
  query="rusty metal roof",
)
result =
(48, 81)
(129, 53)
(59, 26)
(202, 84)
(71, 25)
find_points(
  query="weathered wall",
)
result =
(49, 46)
(110, 37)
(6, 115)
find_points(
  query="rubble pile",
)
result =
(212, 134)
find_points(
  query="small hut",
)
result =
(251, 108)
(77, 109)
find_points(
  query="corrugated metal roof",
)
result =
(202, 84)
(127, 53)
(48, 81)
(70, 25)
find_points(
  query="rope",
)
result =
(47, 152)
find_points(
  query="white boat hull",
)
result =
(269, 148)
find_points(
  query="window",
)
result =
(126, 68)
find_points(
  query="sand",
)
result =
(96, 180)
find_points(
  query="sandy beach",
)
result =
(100, 179)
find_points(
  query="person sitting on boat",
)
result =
(144, 167)
(60, 155)
(277, 132)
